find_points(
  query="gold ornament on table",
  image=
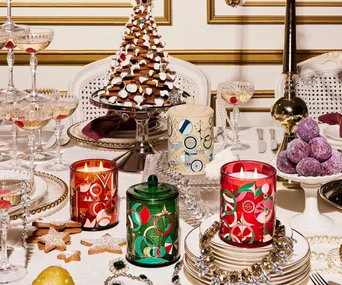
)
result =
(288, 110)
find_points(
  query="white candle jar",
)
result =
(191, 137)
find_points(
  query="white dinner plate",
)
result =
(41, 188)
(333, 131)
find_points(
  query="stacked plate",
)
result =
(229, 258)
(332, 134)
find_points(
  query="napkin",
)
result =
(103, 126)
(332, 119)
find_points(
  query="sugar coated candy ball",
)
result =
(309, 166)
(333, 165)
(297, 150)
(54, 275)
(320, 149)
(307, 129)
(284, 164)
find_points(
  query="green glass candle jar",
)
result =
(152, 224)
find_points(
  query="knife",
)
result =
(274, 144)
(261, 142)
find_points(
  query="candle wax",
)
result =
(247, 175)
(93, 169)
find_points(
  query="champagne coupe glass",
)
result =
(12, 31)
(235, 93)
(14, 181)
(42, 95)
(3, 110)
(31, 116)
(64, 108)
(36, 40)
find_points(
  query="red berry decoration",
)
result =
(123, 57)
(233, 100)
(31, 50)
(61, 117)
(20, 124)
(4, 204)
(10, 45)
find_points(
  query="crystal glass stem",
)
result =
(58, 132)
(141, 120)
(10, 63)
(236, 118)
(33, 65)
(4, 225)
(9, 11)
(32, 147)
(15, 141)
(39, 141)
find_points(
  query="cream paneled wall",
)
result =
(193, 28)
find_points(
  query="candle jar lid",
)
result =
(190, 109)
(152, 190)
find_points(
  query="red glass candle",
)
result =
(94, 193)
(248, 197)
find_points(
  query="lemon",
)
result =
(54, 275)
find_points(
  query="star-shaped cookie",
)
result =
(106, 243)
(57, 224)
(70, 255)
(54, 240)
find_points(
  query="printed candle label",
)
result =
(190, 143)
(248, 214)
(152, 232)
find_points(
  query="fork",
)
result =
(317, 279)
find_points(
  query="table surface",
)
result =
(93, 269)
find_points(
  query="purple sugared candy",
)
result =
(333, 165)
(307, 129)
(309, 166)
(297, 150)
(320, 149)
(284, 164)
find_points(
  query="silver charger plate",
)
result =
(331, 192)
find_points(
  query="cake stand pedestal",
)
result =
(311, 221)
(134, 159)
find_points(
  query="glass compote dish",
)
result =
(36, 40)
(31, 116)
(14, 181)
(63, 108)
(234, 93)
(42, 95)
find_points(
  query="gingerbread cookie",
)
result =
(41, 232)
(54, 240)
(70, 255)
(106, 243)
(59, 225)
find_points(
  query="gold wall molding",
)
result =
(212, 18)
(45, 4)
(166, 19)
(200, 57)
(298, 4)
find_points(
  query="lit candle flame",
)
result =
(86, 167)
(101, 166)
(242, 175)
(255, 173)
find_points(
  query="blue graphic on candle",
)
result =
(185, 127)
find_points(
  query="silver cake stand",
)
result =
(134, 159)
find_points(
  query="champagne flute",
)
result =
(14, 180)
(36, 40)
(31, 116)
(64, 108)
(235, 93)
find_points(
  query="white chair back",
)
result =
(94, 76)
(319, 83)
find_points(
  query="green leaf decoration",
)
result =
(246, 187)
(258, 193)
(266, 231)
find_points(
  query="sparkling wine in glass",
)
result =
(31, 116)
(35, 41)
(64, 108)
(14, 180)
(235, 93)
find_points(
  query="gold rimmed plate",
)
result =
(122, 140)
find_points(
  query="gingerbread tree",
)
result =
(140, 72)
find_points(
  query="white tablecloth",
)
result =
(93, 269)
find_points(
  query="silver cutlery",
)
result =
(274, 144)
(317, 279)
(261, 142)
